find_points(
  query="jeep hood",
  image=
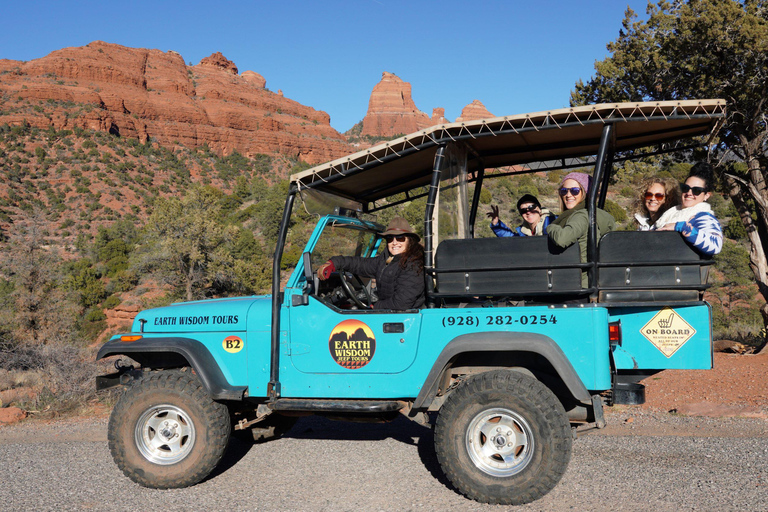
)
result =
(203, 316)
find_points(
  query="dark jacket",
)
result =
(571, 227)
(397, 287)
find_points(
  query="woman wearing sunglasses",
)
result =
(694, 218)
(660, 195)
(535, 219)
(398, 270)
(572, 224)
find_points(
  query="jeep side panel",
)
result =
(658, 338)
(210, 336)
(356, 354)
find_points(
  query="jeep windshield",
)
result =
(346, 237)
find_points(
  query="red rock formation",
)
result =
(438, 116)
(254, 78)
(475, 110)
(121, 315)
(217, 60)
(391, 109)
(10, 415)
(153, 94)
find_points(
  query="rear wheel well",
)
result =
(530, 363)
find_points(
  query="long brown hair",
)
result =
(413, 254)
(671, 196)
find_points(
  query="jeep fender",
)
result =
(173, 352)
(503, 342)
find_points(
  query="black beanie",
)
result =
(528, 198)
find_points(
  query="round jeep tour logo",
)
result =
(352, 344)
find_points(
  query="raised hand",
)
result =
(494, 214)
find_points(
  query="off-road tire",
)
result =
(528, 421)
(168, 405)
(273, 426)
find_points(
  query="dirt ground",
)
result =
(736, 386)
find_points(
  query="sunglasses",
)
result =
(392, 238)
(573, 190)
(657, 196)
(528, 209)
(696, 191)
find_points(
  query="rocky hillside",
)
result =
(152, 95)
(75, 181)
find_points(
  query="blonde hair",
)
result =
(671, 196)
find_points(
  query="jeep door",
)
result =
(328, 333)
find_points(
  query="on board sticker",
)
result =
(668, 331)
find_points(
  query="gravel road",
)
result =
(642, 461)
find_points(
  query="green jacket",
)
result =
(572, 226)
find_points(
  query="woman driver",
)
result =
(398, 270)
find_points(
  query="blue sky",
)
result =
(515, 56)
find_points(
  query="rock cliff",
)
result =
(391, 110)
(154, 95)
(438, 116)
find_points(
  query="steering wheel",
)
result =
(352, 285)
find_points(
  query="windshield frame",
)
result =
(297, 279)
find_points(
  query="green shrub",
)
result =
(735, 230)
(615, 210)
(290, 257)
(95, 315)
(111, 302)
(628, 192)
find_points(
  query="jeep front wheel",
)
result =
(166, 432)
(503, 437)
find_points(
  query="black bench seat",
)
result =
(506, 267)
(656, 266)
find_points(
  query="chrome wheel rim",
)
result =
(165, 434)
(499, 442)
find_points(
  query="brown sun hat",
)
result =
(400, 226)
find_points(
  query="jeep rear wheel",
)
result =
(166, 432)
(503, 437)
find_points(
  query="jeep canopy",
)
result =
(406, 163)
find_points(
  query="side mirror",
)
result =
(311, 282)
(307, 260)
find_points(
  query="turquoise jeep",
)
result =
(509, 359)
